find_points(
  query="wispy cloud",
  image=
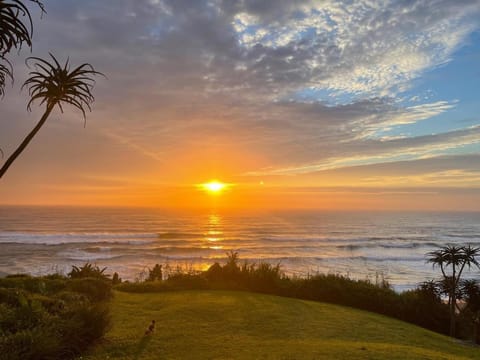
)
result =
(386, 151)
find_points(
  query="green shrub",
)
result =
(39, 343)
(84, 325)
(144, 287)
(187, 282)
(95, 289)
(51, 317)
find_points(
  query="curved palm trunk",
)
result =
(26, 141)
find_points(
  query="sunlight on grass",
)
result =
(236, 325)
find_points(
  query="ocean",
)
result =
(362, 245)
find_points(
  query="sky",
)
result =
(340, 105)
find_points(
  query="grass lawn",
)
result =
(240, 325)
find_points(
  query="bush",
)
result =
(37, 343)
(51, 317)
(187, 282)
(96, 289)
(155, 274)
(84, 325)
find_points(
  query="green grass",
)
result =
(239, 325)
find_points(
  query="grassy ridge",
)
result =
(238, 325)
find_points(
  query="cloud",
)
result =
(384, 151)
(308, 85)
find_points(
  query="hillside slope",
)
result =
(238, 325)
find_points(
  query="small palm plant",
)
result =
(55, 85)
(14, 32)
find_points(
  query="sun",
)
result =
(213, 186)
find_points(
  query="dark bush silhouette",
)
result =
(87, 271)
(155, 274)
(116, 279)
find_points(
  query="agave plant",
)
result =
(55, 85)
(14, 31)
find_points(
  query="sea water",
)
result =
(361, 245)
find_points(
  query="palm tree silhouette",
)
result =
(55, 85)
(13, 33)
(455, 258)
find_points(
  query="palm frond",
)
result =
(54, 84)
(5, 73)
(16, 27)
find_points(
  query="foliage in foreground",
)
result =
(52, 317)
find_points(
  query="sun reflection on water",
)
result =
(214, 230)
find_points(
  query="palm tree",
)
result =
(456, 258)
(55, 85)
(14, 32)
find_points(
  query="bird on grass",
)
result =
(150, 329)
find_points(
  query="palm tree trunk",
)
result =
(452, 316)
(26, 141)
(453, 303)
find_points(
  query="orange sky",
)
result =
(210, 91)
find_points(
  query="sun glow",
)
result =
(214, 186)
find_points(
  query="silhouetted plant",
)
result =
(471, 294)
(16, 29)
(86, 271)
(431, 290)
(232, 259)
(116, 279)
(55, 85)
(155, 273)
(455, 258)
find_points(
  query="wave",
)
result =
(74, 238)
(412, 245)
(179, 235)
(464, 236)
(341, 239)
